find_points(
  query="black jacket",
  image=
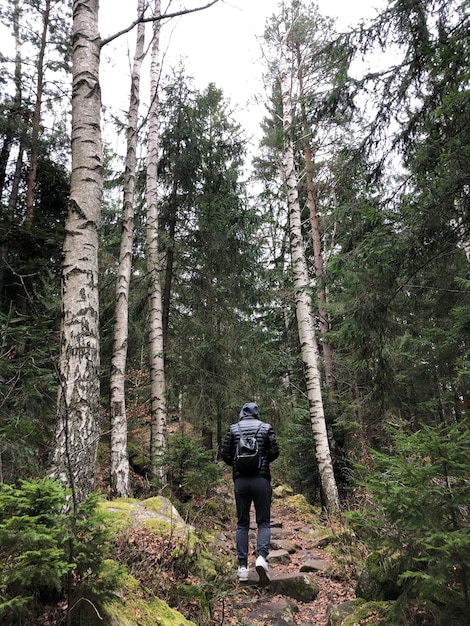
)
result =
(250, 424)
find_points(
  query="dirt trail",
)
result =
(293, 545)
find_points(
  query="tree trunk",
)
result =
(170, 256)
(120, 486)
(304, 316)
(33, 162)
(157, 370)
(324, 318)
(77, 428)
(463, 227)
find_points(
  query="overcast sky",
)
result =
(220, 44)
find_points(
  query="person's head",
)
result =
(249, 409)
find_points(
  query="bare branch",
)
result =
(156, 18)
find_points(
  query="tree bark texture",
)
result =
(323, 316)
(463, 227)
(157, 370)
(308, 344)
(78, 427)
(120, 486)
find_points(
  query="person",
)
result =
(250, 489)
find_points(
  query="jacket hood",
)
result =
(250, 409)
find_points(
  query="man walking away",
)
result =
(253, 487)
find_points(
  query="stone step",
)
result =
(284, 544)
(296, 585)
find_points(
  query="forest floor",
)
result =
(250, 604)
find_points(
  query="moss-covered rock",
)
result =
(372, 612)
(153, 538)
(306, 511)
(337, 613)
(301, 587)
(281, 491)
(133, 608)
(356, 612)
(378, 579)
(157, 514)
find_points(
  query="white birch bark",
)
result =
(303, 295)
(157, 371)
(77, 428)
(464, 232)
(323, 316)
(120, 486)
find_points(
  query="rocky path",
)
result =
(305, 580)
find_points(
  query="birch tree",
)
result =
(78, 408)
(303, 292)
(157, 368)
(78, 428)
(119, 458)
(323, 315)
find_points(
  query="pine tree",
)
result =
(216, 255)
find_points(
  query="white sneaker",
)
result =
(262, 569)
(242, 573)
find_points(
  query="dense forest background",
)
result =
(380, 143)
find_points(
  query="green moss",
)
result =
(364, 610)
(207, 566)
(153, 504)
(380, 577)
(347, 551)
(142, 613)
(307, 512)
(133, 609)
(384, 566)
(118, 513)
(136, 605)
(125, 504)
(158, 526)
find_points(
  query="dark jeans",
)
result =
(258, 490)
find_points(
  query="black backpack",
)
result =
(247, 459)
